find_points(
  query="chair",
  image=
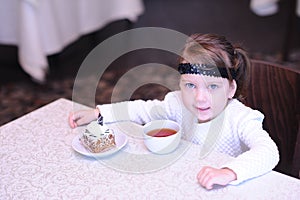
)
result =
(274, 90)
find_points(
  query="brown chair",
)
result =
(275, 90)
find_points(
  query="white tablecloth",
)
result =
(44, 27)
(37, 162)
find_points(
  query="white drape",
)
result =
(43, 27)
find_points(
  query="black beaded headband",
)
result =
(202, 69)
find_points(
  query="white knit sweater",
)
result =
(237, 131)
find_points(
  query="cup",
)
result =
(162, 136)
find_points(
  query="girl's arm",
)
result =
(141, 112)
(138, 111)
(262, 155)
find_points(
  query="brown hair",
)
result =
(215, 50)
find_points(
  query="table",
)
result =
(44, 27)
(38, 162)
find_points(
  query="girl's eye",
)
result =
(190, 85)
(212, 86)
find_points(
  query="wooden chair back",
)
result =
(275, 91)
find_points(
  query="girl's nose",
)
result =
(202, 95)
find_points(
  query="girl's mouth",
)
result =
(202, 108)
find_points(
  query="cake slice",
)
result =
(97, 138)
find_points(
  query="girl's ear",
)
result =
(232, 89)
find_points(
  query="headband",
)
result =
(203, 69)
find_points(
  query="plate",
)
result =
(120, 138)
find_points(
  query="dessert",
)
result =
(97, 138)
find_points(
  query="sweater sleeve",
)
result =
(141, 112)
(262, 155)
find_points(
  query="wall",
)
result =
(232, 18)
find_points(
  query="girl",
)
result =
(213, 79)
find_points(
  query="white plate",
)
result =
(120, 138)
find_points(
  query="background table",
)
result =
(38, 162)
(44, 27)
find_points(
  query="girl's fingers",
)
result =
(202, 176)
(72, 120)
(206, 178)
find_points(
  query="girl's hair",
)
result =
(215, 50)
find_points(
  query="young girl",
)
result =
(213, 79)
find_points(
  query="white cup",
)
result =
(162, 143)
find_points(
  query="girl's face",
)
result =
(206, 96)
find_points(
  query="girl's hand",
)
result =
(208, 176)
(82, 117)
